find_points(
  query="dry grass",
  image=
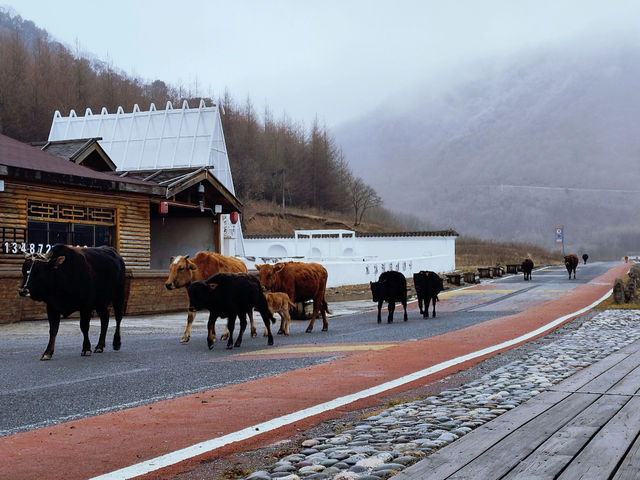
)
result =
(472, 253)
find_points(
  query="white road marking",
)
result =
(215, 443)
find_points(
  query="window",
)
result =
(69, 233)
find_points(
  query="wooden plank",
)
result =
(629, 385)
(500, 458)
(600, 458)
(609, 378)
(581, 378)
(448, 459)
(560, 449)
(629, 469)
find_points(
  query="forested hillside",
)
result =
(509, 149)
(281, 161)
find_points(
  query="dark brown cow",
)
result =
(301, 281)
(527, 268)
(571, 262)
(184, 270)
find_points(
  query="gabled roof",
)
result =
(176, 180)
(84, 151)
(23, 161)
(153, 139)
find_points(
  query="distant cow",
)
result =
(571, 262)
(428, 285)
(585, 257)
(390, 287)
(280, 303)
(301, 281)
(71, 279)
(184, 270)
(527, 268)
(230, 295)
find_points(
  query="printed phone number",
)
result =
(14, 247)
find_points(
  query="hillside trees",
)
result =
(277, 160)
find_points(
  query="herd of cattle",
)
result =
(74, 279)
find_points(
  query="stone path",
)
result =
(383, 444)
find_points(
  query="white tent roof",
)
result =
(153, 139)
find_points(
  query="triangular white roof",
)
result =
(153, 139)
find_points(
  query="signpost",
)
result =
(560, 237)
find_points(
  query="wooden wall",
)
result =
(132, 216)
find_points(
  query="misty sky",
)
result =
(337, 59)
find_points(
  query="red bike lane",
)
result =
(98, 445)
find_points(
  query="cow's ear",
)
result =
(186, 256)
(191, 265)
(58, 261)
(258, 267)
(277, 268)
(172, 260)
(213, 286)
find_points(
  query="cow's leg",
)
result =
(243, 327)
(434, 299)
(254, 332)
(283, 324)
(187, 331)
(103, 313)
(211, 330)
(225, 334)
(316, 310)
(267, 318)
(54, 323)
(420, 302)
(404, 305)
(323, 311)
(286, 320)
(85, 319)
(379, 310)
(231, 324)
(392, 308)
(118, 311)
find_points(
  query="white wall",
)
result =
(358, 260)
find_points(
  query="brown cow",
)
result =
(280, 303)
(571, 262)
(184, 270)
(301, 281)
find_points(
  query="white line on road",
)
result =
(215, 443)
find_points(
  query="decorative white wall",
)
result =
(355, 259)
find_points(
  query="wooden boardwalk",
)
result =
(585, 427)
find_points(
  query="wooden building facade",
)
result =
(47, 199)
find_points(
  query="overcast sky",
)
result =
(336, 59)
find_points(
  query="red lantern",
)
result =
(163, 208)
(233, 216)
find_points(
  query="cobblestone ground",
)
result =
(380, 445)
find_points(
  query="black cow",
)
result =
(585, 257)
(428, 285)
(390, 287)
(527, 267)
(571, 262)
(230, 295)
(71, 279)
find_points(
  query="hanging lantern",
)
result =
(163, 208)
(233, 216)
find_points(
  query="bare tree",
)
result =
(363, 197)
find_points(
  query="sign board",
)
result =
(559, 234)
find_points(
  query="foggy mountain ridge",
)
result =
(550, 119)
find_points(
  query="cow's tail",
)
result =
(291, 304)
(127, 291)
(325, 307)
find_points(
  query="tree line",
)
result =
(281, 161)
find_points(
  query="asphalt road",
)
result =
(152, 364)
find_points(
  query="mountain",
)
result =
(510, 148)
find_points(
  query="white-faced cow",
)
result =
(184, 270)
(230, 295)
(571, 262)
(301, 281)
(71, 279)
(390, 287)
(527, 268)
(428, 285)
